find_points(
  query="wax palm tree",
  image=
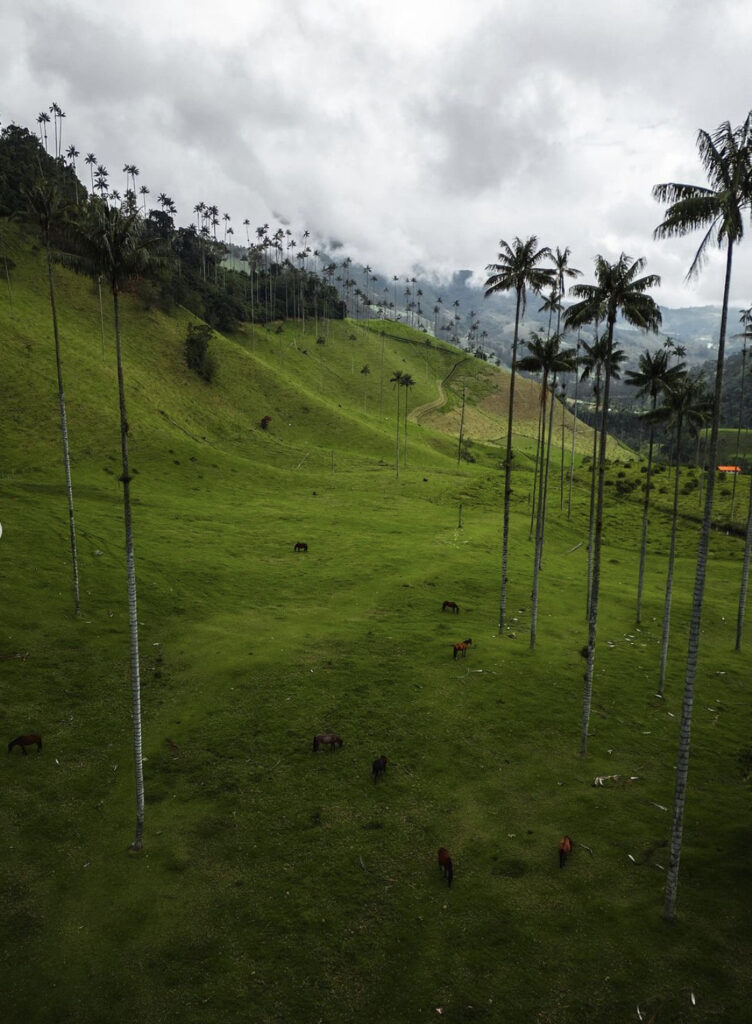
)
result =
(517, 270)
(654, 374)
(43, 205)
(745, 318)
(114, 245)
(718, 208)
(686, 404)
(71, 152)
(91, 160)
(620, 291)
(547, 358)
(43, 120)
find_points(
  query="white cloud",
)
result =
(417, 132)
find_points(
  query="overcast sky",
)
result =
(417, 132)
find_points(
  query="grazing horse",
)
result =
(452, 606)
(330, 739)
(265, 421)
(445, 865)
(565, 847)
(461, 647)
(378, 768)
(25, 741)
(301, 546)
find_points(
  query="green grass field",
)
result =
(279, 885)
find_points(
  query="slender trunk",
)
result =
(561, 475)
(462, 423)
(738, 434)
(645, 516)
(404, 431)
(64, 435)
(544, 492)
(591, 519)
(745, 574)
(132, 604)
(574, 434)
(597, 541)
(539, 519)
(398, 429)
(670, 569)
(534, 508)
(508, 469)
(682, 758)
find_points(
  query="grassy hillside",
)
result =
(281, 885)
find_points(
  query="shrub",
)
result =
(197, 355)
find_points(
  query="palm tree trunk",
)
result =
(539, 519)
(738, 432)
(745, 575)
(64, 434)
(670, 569)
(544, 492)
(645, 516)
(132, 604)
(508, 470)
(591, 518)
(534, 509)
(398, 429)
(574, 432)
(597, 539)
(682, 759)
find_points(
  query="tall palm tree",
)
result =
(71, 152)
(719, 209)
(115, 246)
(517, 270)
(43, 205)
(91, 160)
(654, 374)
(620, 291)
(745, 318)
(547, 358)
(685, 404)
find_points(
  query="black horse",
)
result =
(378, 768)
(301, 546)
(451, 606)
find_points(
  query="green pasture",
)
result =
(278, 885)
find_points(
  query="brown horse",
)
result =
(330, 739)
(301, 546)
(461, 647)
(565, 848)
(452, 606)
(378, 768)
(25, 741)
(445, 865)
(265, 421)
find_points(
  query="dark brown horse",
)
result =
(565, 848)
(461, 647)
(301, 546)
(25, 741)
(445, 865)
(451, 606)
(378, 768)
(330, 739)
(265, 421)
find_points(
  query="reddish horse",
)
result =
(461, 647)
(445, 865)
(565, 848)
(330, 739)
(301, 546)
(25, 741)
(452, 606)
(378, 768)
